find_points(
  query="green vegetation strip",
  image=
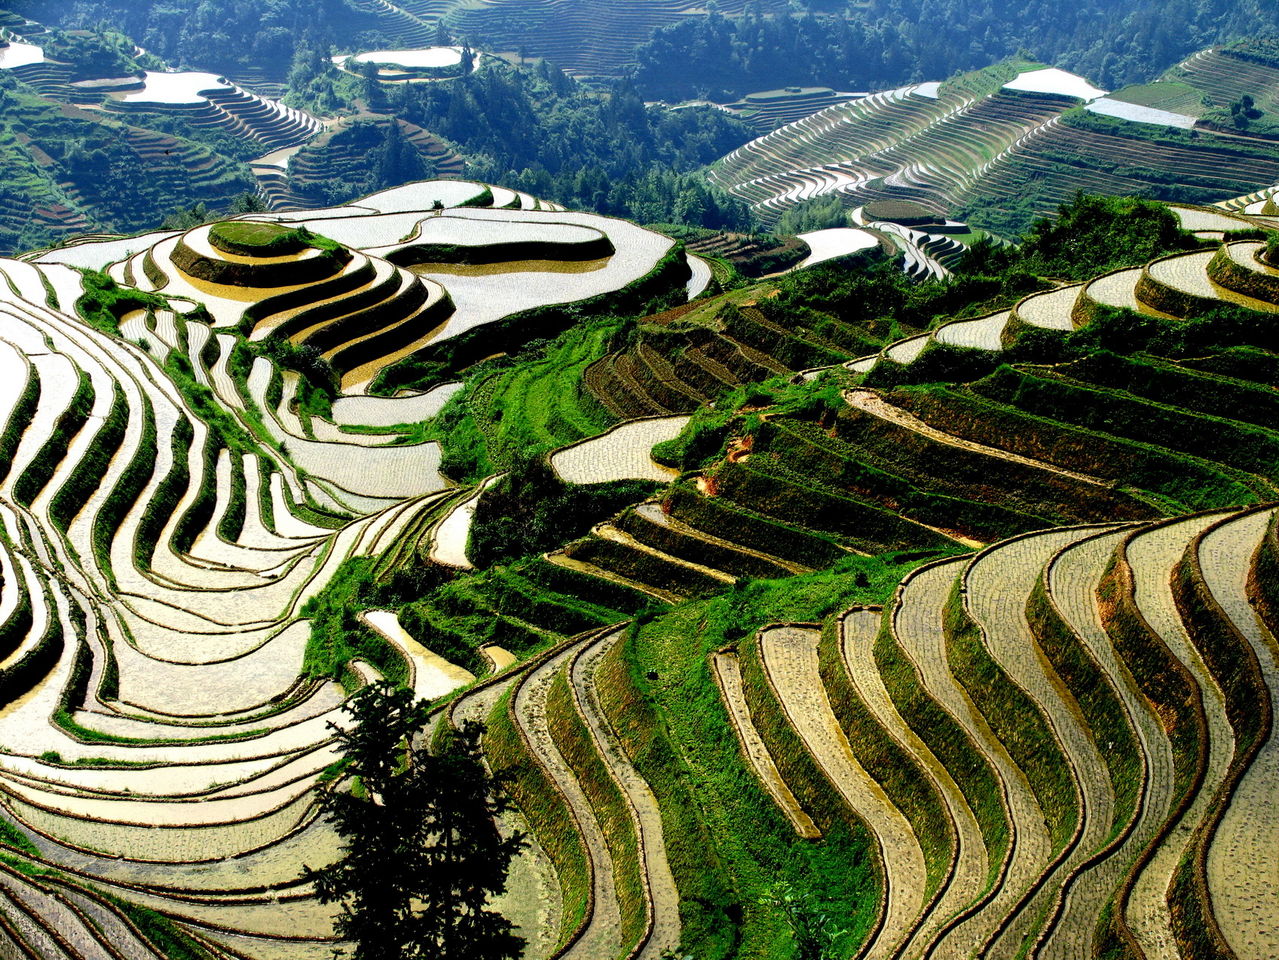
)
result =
(1090, 687)
(1263, 578)
(950, 744)
(769, 488)
(1167, 684)
(93, 465)
(532, 405)
(15, 628)
(19, 419)
(105, 303)
(1186, 482)
(1163, 382)
(20, 676)
(1109, 411)
(907, 786)
(727, 842)
(612, 810)
(1016, 721)
(337, 635)
(547, 812)
(729, 522)
(1234, 666)
(54, 448)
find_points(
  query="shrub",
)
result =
(532, 510)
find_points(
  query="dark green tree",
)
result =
(421, 852)
(374, 95)
(398, 160)
(187, 217)
(248, 203)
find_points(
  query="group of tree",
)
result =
(184, 218)
(375, 155)
(819, 213)
(96, 54)
(208, 34)
(885, 43)
(533, 128)
(1243, 111)
(1090, 235)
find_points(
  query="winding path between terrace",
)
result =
(790, 658)
(659, 883)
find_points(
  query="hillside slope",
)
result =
(1006, 145)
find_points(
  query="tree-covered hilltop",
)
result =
(64, 170)
(208, 35)
(536, 129)
(530, 126)
(885, 43)
(847, 45)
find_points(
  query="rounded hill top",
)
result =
(254, 238)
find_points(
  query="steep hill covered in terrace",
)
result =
(109, 146)
(339, 158)
(1045, 744)
(66, 170)
(997, 148)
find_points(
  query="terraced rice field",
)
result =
(983, 333)
(791, 663)
(596, 38)
(1143, 289)
(728, 675)
(700, 276)
(1053, 656)
(167, 512)
(207, 99)
(917, 143)
(1188, 276)
(1139, 114)
(968, 146)
(1116, 289)
(1048, 745)
(449, 542)
(1112, 821)
(835, 242)
(430, 57)
(1243, 881)
(622, 453)
(1055, 81)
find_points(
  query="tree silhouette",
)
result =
(398, 160)
(421, 853)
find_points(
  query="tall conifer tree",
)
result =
(421, 852)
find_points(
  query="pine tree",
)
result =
(421, 853)
(248, 203)
(397, 160)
